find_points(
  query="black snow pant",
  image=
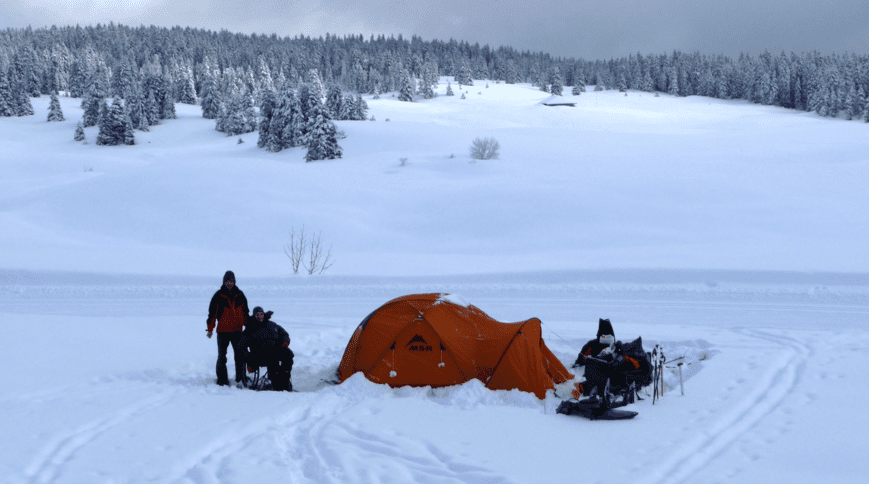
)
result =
(223, 342)
(279, 363)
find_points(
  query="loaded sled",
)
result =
(610, 384)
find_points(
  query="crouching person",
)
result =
(265, 343)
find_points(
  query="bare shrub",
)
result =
(403, 161)
(296, 248)
(318, 260)
(485, 149)
(308, 253)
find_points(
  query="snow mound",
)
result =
(691, 353)
(453, 298)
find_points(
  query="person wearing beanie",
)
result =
(228, 313)
(266, 343)
(602, 345)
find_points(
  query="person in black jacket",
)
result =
(601, 346)
(228, 312)
(265, 343)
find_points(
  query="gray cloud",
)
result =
(581, 28)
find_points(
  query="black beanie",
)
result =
(257, 310)
(605, 327)
(229, 276)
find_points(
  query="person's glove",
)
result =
(209, 334)
(269, 314)
(249, 369)
(286, 344)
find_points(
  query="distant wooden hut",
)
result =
(557, 101)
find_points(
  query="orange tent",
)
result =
(429, 339)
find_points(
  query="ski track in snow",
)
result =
(49, 461)
(775, 386)
(309, 455)
(208, 464)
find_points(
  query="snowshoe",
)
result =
(593, 410)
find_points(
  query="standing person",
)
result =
(228, 311)
(269, 346)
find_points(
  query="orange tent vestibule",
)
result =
(431, 340)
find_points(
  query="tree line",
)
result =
(229, 74)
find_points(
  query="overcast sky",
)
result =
(591, 29)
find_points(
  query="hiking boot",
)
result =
(223, 383)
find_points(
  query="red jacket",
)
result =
(229, 309)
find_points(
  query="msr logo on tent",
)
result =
(420, 346)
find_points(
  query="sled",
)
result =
(592, 410)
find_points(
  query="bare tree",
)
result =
(318, 261)
(295, 250)
(301, 247)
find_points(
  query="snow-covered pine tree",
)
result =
(264, 77)
(557, 83)
(220, 120)
(91, 105)
(576, 91)
(129, 138)
(23, 107)
(428, 80)
(211, 98)
(511, 76)
(135, 108)
(103, 112)
(463, 78)
(623, 83)
(168, 109)
(317, 86)
(360, 109)
(406, 91)
(334, 99)
(647, 85)
(673, 84)
(322, 141)
(122, 80)
(541, 82)
(77, 79)
(7, 97)
(33, 83)
(266, 110)
(79, 132)
(294, 131)
(376, 91)
(345, 113)
(281, 116)
(54, 111)
(866, 110)
(184, 88)
(108, 133)
(238, 116)
(152, 110)
(450, 90)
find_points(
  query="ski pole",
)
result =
(654, 374)
(681, 386)
(663, 360)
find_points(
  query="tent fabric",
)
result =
(430, 340)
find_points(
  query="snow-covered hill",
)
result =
(722, 228)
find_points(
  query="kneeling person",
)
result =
(265, 343)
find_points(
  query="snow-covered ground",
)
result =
(730, 232)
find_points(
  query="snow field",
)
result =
(731, 232)
(617, 182)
